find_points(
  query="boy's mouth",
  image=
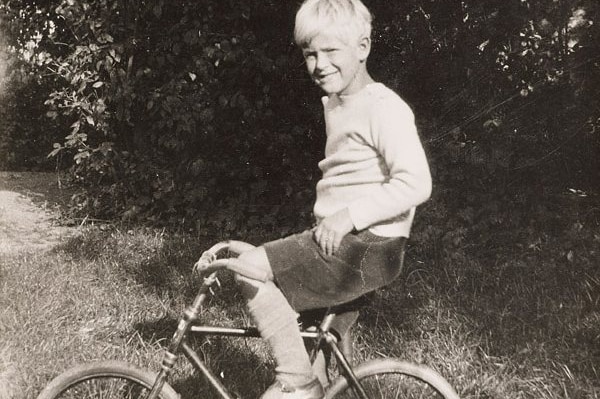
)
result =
(323, 77)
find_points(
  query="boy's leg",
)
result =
(277, 322)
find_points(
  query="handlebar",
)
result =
(209, 261)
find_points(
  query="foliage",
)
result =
(199, 112)
(508, 88)
(25, 132)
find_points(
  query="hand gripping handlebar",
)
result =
(209, 261)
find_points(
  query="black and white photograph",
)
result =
(307, 199)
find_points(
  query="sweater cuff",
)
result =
(357, 216)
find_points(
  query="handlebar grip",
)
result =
(206, 259)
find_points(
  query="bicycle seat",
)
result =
(346, 315)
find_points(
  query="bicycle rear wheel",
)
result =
(393, 379)
(106, 380)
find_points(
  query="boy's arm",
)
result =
(395, 137)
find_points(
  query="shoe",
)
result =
(312, 390)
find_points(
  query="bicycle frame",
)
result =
(189, 325)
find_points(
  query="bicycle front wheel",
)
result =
(393, 379)
(106, 380)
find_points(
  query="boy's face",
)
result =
(337, 66)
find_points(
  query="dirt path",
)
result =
(29, 204)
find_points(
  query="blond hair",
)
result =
(347, 19)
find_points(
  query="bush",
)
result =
(200, 112)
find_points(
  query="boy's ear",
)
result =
(364, 48)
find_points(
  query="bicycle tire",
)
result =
(393, 378)
(98, 380)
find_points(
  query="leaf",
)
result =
(100, 107)
(76, 125)
(114, 55)
(98, 85)
(57, 148)
(80, 156)
(483, 45)
(105, 38)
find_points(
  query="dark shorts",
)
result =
(310, 279)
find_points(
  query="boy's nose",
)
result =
(322, 62)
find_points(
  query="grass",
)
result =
(103, 295)
(519, 320)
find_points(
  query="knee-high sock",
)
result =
(278, 325)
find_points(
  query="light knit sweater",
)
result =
(374, 162)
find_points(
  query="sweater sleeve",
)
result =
(395, 138)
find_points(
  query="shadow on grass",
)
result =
(233, 360)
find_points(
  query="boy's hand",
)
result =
(329, 233)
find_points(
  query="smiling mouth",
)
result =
(321, 78)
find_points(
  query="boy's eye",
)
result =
(308, 55)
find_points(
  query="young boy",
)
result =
(374, 175)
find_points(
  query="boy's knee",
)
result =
(255, 258)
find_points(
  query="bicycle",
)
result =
(373, 379)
